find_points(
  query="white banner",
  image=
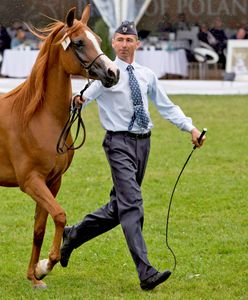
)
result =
(115, 11)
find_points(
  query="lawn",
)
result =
(208, 225)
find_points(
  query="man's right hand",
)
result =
(77, 101)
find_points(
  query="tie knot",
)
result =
(130, 68)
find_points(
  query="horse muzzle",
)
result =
(109, 76)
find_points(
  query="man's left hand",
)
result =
(195, 134)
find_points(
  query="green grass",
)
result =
(208, 226)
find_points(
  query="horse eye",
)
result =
(79, 44)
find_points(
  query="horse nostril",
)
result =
(114, 76)
(111, 73)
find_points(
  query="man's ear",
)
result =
(112, 42)
(138, 44)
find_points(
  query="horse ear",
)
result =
(86, 15)
(70, 16)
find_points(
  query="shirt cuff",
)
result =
(188, 127)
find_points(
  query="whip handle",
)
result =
(201, 136)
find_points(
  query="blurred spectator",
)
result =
(12, 29)
(219, 33)
(165, 27)
(221, 38)
(19, 39)
(31, 39)
(182, 23)
(240, 34)
(206, 36)
(5, 39)
(143, 34)
(246, 29)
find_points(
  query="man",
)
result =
(221, 40)
(19, 39)
(124, 114)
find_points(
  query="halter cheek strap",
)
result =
(87, 67)
(94, 60)
(66, 43)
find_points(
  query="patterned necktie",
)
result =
(139, 112)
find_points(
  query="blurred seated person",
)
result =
(182, 23)
(246, 28)
(143, 34)
(221, 38)
(204, 35)
(4, 39)
(240, 34)
(19, 39)
(13, 27)
(165, 27)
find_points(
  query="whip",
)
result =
(172, 194)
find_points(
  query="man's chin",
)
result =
(123, 56)
(124, 53)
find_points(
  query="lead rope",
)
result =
(170, 202)
(75, 115)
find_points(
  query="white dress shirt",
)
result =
(116, 106)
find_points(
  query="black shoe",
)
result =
(66, 248)
(151, 282)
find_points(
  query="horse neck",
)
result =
(58, 89)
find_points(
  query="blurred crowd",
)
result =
(215, 35)
(17, 37)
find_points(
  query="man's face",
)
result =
(125, 45)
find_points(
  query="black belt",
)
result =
(131, 134)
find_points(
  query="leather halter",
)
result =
(87, 67)
(75, 113)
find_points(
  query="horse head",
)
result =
(81, 51)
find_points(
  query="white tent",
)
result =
(115, 11)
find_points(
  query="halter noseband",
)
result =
(86, 67)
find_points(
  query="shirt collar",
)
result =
(122, 64)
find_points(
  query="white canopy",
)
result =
(115, 11)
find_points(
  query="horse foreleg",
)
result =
(47, 264)
(39, 232)
(39, 191)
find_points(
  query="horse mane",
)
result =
(29, 96)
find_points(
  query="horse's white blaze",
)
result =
(93, 39)
(108, 62)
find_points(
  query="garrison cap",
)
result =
(127, 27)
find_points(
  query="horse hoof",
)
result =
(41, 269)
(41, 285)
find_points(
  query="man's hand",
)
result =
(77, 101)
(195, 134)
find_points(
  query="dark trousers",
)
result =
(127, 157)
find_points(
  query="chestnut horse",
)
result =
(32, 117)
